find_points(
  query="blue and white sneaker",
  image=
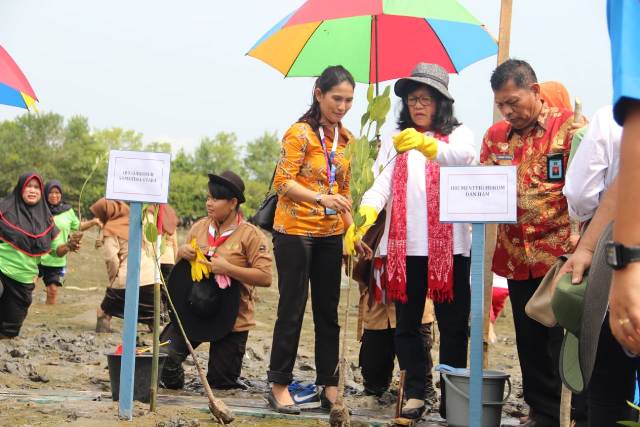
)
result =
(305, 396)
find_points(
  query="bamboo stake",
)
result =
(565, 396)
(156, 322)
(219, 410)
(339, 416)
(156, 346)
(491, 230)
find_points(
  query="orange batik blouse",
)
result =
(303, 160)
(529, 248)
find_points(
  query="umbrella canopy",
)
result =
(14, 87)
(375, 40)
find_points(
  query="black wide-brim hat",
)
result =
(207, 312)
(232, 182)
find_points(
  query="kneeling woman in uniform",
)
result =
(218, 309)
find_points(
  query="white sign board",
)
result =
(478, 194)
(137, 176)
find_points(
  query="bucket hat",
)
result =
(232, 182)
(431, 75)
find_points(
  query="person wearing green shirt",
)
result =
(27, 232)
(52, 267)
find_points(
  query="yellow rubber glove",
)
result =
(353, 235)
(370, 215)
(410, 139)
(198, 270)
(349, 240)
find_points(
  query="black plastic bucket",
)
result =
(142, 375)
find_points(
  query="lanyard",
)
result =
(331, 167)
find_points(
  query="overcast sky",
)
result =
(177, 71)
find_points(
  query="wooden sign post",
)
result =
(477, 195)
(136, 177)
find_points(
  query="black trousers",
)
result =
(14, 305)
(538, 352)
(612, 383)
(302, 260)
(225, 359)
(453, 322)
(377, 354)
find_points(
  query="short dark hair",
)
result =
(221, 192)
(330, 77)
(516, 70)
(444, 120)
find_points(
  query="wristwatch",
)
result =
(318, 198)
(619, 255)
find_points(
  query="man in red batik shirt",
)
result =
(537, 139)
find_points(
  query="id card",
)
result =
(329, 211)
(555, 167)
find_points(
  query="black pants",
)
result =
(14, 305)
(538, 352)
(113, 303)
(453, 322)
(377, 354)
(225, 359)
(301, 260)
(612, 383)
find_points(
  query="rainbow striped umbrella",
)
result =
(15, 89)
(376, 40)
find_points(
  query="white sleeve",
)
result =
(460, 150)
(585, 180)
(380, 192)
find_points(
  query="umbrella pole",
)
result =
(375, 47)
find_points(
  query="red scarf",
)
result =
(440, 236)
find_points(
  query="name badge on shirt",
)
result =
(555, 167)
(504, 159)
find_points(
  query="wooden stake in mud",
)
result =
(403, 377)
(339, 416)
(156, 329)
(491, 230)
(221, 413)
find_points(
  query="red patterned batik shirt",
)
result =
(529, 248)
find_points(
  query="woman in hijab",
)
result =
(114, 216)
(52, 267)
(27, 232)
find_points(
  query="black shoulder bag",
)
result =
(263, 217)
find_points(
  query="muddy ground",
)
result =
(56, 373)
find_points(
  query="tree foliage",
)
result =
(68, 150)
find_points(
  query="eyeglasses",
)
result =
(425, 101)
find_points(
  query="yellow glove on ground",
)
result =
(410, 139)
(198, 270)
(353, 235)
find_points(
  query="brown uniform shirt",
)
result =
(246, 247)
(383, 316)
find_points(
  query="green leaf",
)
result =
(370, 94)
(636, 407)
(151, 232)
(364, 120)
